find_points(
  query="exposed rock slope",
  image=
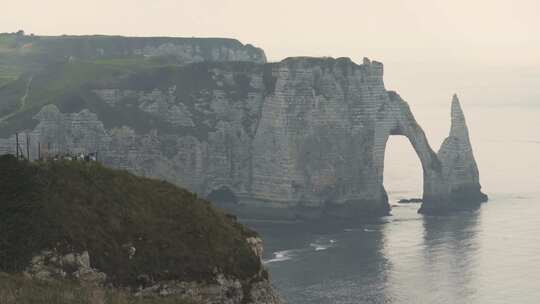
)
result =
(304, 137)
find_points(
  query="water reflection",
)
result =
(450, 253)
(352, 267)
(490, 256)
(406, 258)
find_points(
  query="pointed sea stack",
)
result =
(460, 183)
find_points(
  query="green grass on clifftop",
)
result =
(75, 206)
(16, 289)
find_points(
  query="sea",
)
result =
(491, 255)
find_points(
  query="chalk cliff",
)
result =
(304, 137)
(460, 173)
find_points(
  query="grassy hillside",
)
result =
(70, 86)
(65, 70)
(23, 54)
(16, 289)
(85, 206)
(67, 85)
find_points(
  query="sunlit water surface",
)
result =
(488, 256)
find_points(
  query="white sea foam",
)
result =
(319, 247)
(280, 256)
(322, 244)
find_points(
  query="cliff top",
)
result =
(38, 70)
(80, 43)
(330, 61)
(73, 206)
(20, 53)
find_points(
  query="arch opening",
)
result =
(223, 195)
(403, 175)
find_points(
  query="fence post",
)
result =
(17, 143)
(27, 147)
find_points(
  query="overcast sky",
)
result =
(488, 51)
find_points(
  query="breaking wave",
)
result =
(280, 256)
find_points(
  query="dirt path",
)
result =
(23, 101)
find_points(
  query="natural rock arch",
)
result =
(222, 194)
(403, 173)
(450, 177)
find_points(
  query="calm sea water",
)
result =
(488, 256)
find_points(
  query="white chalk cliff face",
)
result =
(304, 137)
(461, 184)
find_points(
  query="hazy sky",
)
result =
(485, 50)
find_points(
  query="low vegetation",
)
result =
(75, 206)
(16, 289)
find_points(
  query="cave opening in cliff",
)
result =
(222, 195)
(403, 174)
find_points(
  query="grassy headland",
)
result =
(76, 206)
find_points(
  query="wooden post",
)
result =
(39, 150)
(27, 147)
(17, 143)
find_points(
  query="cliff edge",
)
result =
(80, 222)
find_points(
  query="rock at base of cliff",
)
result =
(349, 210)
(410, 201)
(467, 199)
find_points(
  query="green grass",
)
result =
(8, 42)
(70, 84)
(57, 84)
(85, 206)
(16, 289)
(70, 87)
(6, 79)
(61, 79)
(131, 63)
(9, 71)
(46, 58)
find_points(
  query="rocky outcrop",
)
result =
(223, 290)
(256, 245)
(51, 265)
(304, 137)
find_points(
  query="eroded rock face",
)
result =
(460, 173)
(256, 245)
(51, 265)
(224, 290)
(192, 52)
(304, 137)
